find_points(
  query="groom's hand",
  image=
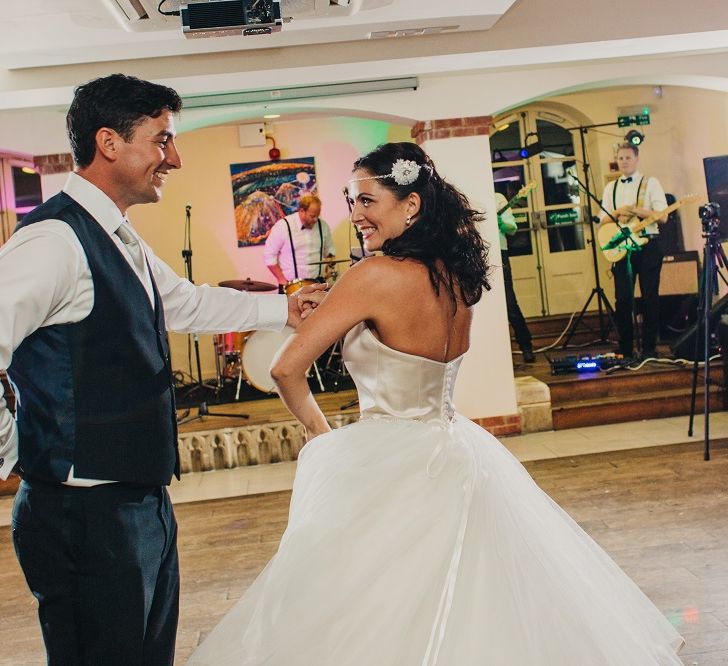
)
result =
(302, 302)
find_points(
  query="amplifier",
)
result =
(680, 274)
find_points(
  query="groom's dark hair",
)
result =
(118, 102)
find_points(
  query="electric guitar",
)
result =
(526, 189)
(615, 240)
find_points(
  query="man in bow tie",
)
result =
(636, 195)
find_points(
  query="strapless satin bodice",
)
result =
(394, 383)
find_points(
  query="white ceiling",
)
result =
(49, 46)
(42, 33)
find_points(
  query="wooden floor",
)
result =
(662, 513)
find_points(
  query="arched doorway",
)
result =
(552, 263)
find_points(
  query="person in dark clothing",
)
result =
(506, 227)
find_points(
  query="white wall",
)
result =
(485, 385)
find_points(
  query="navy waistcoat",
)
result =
(97, 394)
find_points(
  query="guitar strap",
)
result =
(641, 193)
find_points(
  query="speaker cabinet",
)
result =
(679, 275)
(679, 279)
(684, 345)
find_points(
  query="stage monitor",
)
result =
(716, 178)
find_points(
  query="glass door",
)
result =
(552, 267)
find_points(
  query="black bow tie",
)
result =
(628, 179)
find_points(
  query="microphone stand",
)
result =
(597, 290)
(187, 257)
(202, 409)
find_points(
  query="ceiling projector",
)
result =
(215, 18)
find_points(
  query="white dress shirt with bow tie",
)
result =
(45, 280)
(654, 198)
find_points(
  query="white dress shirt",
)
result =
(654, 197)
(45, 280)
(307, 243)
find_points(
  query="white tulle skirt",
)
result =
(416, 544)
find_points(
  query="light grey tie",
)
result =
(134, 248)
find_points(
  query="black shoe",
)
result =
(528, 356)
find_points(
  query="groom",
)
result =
(84, 309)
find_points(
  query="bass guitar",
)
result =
(616, 240)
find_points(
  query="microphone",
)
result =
(188, 207)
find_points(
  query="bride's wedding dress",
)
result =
(416, 539)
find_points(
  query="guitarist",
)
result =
(630, 195)
(506, 227)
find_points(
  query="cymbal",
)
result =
(248, 285)
(330, 261)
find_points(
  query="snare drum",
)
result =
(229, 349)
(294, 285)
(258, 354)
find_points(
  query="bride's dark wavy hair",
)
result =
(444, 236)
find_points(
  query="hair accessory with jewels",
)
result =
(404, 172)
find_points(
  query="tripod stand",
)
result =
(602, 300)
(202, 408)
(714, 259)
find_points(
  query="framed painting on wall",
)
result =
(264, 192)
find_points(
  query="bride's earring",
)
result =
(408, 221)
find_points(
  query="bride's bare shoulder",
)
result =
(381, 267)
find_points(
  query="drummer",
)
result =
(298, 243)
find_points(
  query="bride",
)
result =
(414, 537)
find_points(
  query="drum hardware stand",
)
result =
(202, 409)
(602, 300)
(714, 259)
(318, 377)
(335, 364)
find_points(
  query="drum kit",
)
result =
(247, 355)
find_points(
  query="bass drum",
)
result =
(258, 354)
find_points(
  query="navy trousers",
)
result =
(102, 563)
